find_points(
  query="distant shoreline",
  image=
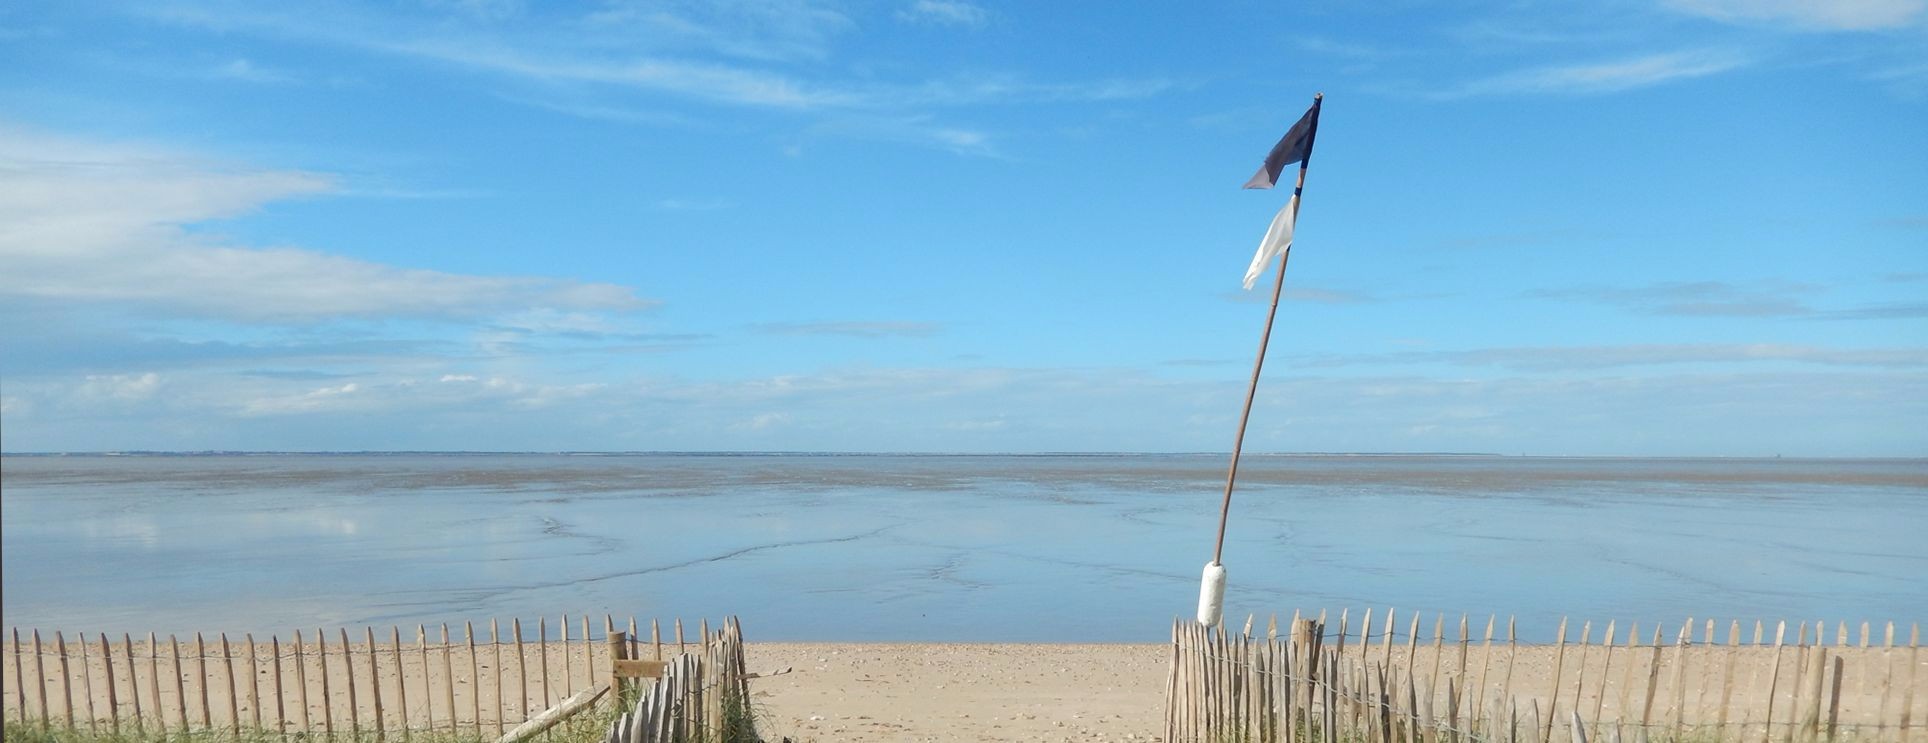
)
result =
(1045, 454)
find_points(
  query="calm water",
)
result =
(946, 548)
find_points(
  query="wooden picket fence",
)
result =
(701, 696)
(1381, 684)
(328, 683)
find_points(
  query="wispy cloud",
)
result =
(1765, 299)
(854, 329)
(1811, 15)
(1589, 358)
(944, 13)
(84, 222)
(1610, 76)
(247, 71)
(1699, 298)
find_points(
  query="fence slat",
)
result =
(448, 679)
(495, 644)
(87, 683)
(375, 684)
(180, 693)
(348, 670)
(521, 671)
(280, 700)
(234, 705)
(1773, 681)
(133, 683)
(475, 678)
(254, 684)
(401, 677)
(66, 682)
(1553, 694)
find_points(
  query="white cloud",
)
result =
(1816, 15)
(86, 222)
(1603, 77)
(944, 13)
(247, 71)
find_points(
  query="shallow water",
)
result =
(947, 548)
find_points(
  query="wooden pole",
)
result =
(1887, 679)
(254, 683)
(87, 683)
(616, 646)
(328, 701)
(1485, 660)
(1773, 681)
(1727, 676)
(475, 679)
(1680, 676)
(1553, 693)
(66, 681)
(40, 681)
(1580, 678)
(1251, 390)
(448, 678)
(280, 701)
(401, 675)
(180, 693)
(521, 668)
(348, 670)
(1606, 673)
(19, 680)
(301, 688)
(1908, 690)
(133, 683)
(234, 703)
(588, 657)
(495, 643)
(542, 656)
(113, 699)
(568, 677)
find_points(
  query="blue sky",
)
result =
(1654, 227)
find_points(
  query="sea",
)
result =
(948, 548)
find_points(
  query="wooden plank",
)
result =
(679, 635)
(618, 648)
(428, 683)
(640, 668)
(234, 702)
(113, 699)
(66, 681)
(254, 683)
(133, 683)
(1773, 681)
(1580, 678)
(554, 715)
(635, 639)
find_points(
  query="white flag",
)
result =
(1278, 240)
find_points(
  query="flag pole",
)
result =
(1278, 286)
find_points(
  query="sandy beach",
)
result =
(974, 692)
